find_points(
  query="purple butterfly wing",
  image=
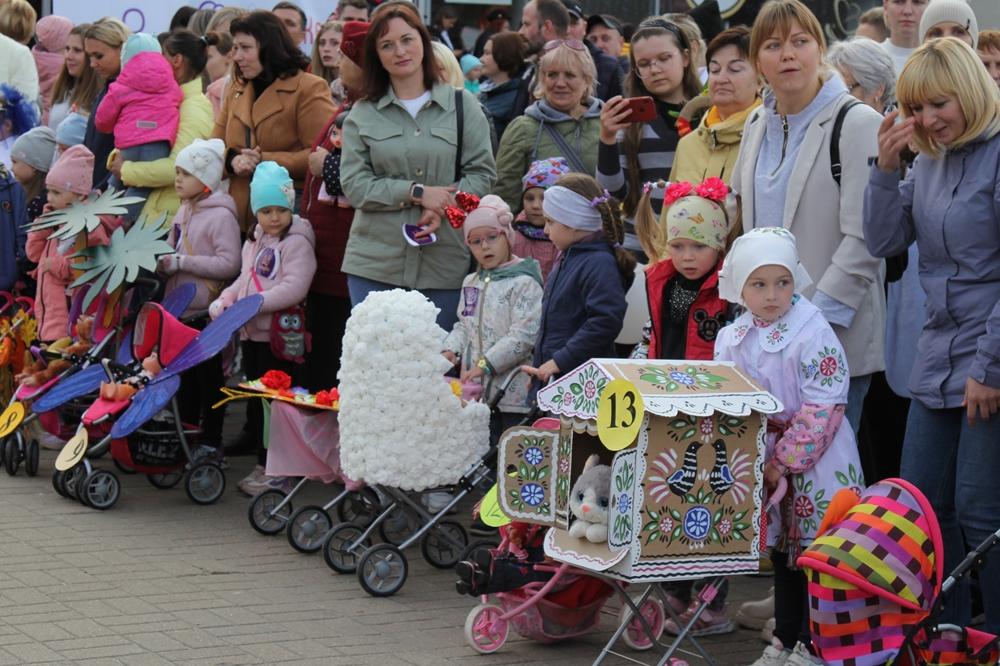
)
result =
(76, 385)
(145, 404)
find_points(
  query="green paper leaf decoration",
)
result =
(107, 267)
(84, 216)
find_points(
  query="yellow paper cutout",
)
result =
(11, 418)
(490, 511)
(619, 415)
(73, 452)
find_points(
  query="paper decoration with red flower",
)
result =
(683, 127)
(465, 203)
(712, 188)
(276, 380)
(676, 191)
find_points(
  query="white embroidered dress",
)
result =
(799, 359)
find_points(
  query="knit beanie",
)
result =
(35, 148)
(73, 171)
(139, 42)
(545, 173)
(204, 160)
(469, 62)
(493, 212)
(949, 11)
(271, 186)
(71, 129)
(53, 33)
(352, 43)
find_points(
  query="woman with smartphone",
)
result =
(638, 132)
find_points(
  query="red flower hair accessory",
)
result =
(712, 188)
(276, 380)
(465, 203)
(676, 191)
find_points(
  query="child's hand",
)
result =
(451, 356)
(169, 264)
(544, 372)
(472, 374)
(316, 159)
(216, 309)
(772, 475)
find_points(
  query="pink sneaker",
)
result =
(709, 623)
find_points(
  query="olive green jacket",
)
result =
(385, 152)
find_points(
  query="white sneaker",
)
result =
(801, 656)
(767, 633)
(755, 614)
(774, 655)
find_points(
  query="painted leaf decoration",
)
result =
(84, 216)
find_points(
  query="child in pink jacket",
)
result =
(142, 108)
(205, 235)
(68, 181)
(279, 261)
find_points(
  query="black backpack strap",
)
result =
(460, 124)
(838, 124)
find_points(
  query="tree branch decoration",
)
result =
(84, 216)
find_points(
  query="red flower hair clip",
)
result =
(712, 188)
(676, 191)
(465, 203)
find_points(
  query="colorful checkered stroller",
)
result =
(877, 587)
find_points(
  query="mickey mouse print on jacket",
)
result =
(707, 315)
(799, 360)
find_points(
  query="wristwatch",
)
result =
(485, 366)
(417, 192)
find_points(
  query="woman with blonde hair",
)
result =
(17, 20)
(103, 43)
(77, 85)
(564, 122)
(949, 109)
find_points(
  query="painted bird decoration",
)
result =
(682, 480)
(721, 477)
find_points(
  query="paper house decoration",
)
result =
(686, 496)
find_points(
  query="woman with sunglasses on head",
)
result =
(564, 122)
(633, 153)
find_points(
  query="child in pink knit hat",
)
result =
(68, 182)
(529, 238)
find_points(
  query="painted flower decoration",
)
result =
(804, 507)
(724, 527)
(624, 503)
(532, 494)
(677, 191)
(697, 523)
(666, 524)
(712, 188)
(533, 455)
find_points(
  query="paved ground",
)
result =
(158, 580)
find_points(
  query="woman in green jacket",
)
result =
(403, 160)
(564, 122)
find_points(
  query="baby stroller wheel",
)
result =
(444, 544)
(399, 525)
(31, 460)
(163, 481)
(100, 489)
(635, 635)
(361, 507)
(382, 570)
(484, 630)
(58, 481)
(307, 527)
(337, 552)
(263, 514)
(12, 453)
(205, 483)
(71, 479)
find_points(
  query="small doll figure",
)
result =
(330, 192)
(123, 390)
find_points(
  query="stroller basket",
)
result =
(547, 620)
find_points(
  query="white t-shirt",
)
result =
(899, 54)
(417, 103)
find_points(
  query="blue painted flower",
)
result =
(624, 503)
(532, 494)
(682, 378)
(697, 523)
(533, 455)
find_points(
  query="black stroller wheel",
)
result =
(205, 483)
(307, 528)
(361, 507)
(164, 481)
(100, 489)
(399, 525)
(337, 552)
(71, 479)
(444, 544)
(58, 481)
(31, 460)
(382, 570)
(263, 515)
(11, 455)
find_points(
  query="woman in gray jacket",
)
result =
(949, 204)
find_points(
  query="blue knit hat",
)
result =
(469, 62)
(139, 42)
(71, 129)
(271, 186)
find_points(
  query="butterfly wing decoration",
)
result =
(86, 381)
(145, 404)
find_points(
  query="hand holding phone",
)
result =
(641, 110)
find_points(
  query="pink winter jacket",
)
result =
(284, 268)
(206, 236)
(143, 104)
(52, 301)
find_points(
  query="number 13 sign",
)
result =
(619, 414)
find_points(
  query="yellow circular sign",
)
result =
(490, 511)
(619, 414)
(11, 418)
(73, 452)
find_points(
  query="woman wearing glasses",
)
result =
(564, 122)
(633, 153)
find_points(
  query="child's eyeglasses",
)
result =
(574, 44)
(484, 241)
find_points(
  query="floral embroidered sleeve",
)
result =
(809, 434)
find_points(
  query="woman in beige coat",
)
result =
(273, 110)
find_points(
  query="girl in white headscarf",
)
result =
(784, 342)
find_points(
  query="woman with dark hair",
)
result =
(406, 152)
(503, 62)
(187, 54)
(77, 84)
(273, 109)
(446, 30)
(661, 66)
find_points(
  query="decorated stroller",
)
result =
(877, 586)
(17, 330)
(141, 438)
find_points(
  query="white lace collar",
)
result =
(776, 335)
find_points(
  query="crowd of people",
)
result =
(824, 215)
